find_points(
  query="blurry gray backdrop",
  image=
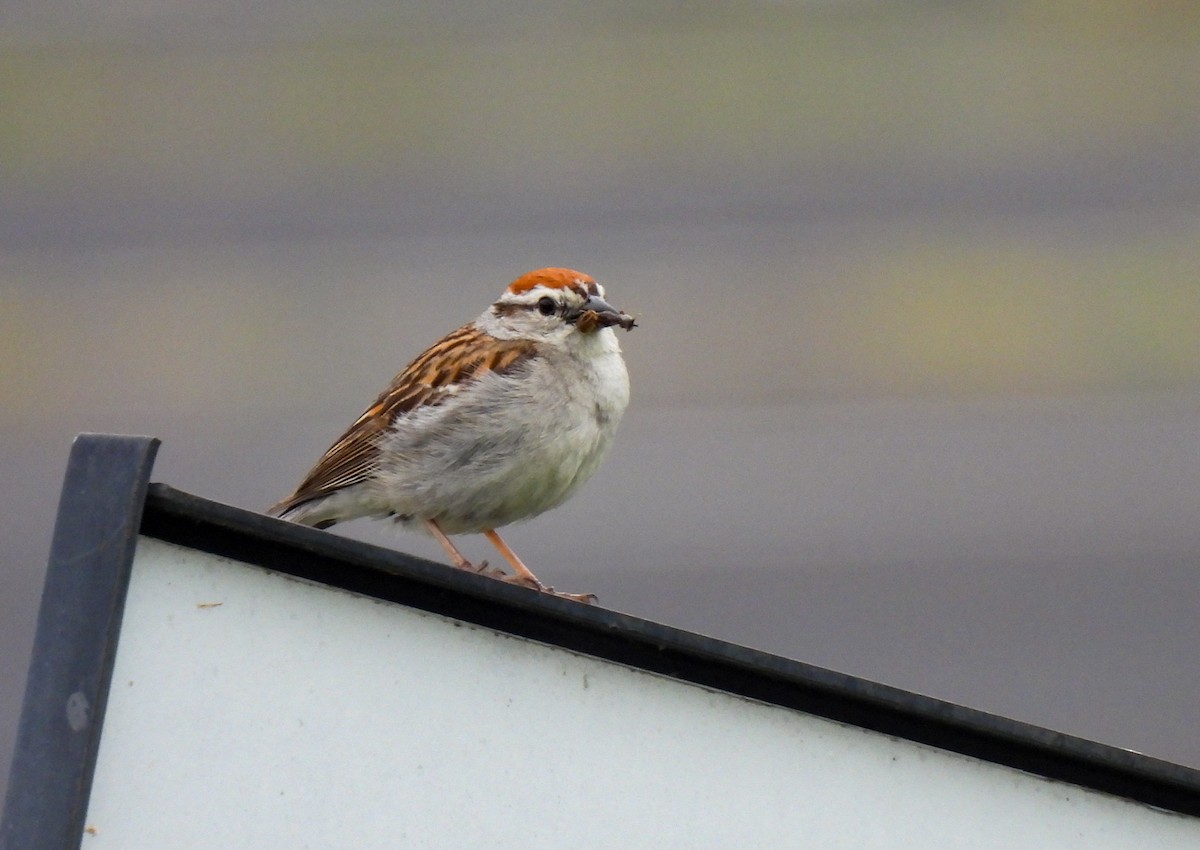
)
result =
(917, 382)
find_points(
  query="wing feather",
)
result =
(457, 360)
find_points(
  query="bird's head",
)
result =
(552, 304)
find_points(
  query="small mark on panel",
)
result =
(79, 711)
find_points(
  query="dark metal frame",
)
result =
(106, 503)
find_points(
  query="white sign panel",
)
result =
(250, 709)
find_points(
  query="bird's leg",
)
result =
(457, 557)
(524, 576)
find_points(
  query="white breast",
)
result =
(507, 448)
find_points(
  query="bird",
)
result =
(495, 423)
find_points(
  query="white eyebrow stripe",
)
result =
(530, 297)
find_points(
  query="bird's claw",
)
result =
(534, 584)
(530, 582)
(585, 598)
(483, 569)
(526, 581)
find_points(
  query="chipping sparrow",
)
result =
(497, 422)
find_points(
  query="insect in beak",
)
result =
(597, 313)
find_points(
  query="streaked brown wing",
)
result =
(460, 358)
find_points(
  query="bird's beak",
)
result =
(597, 313)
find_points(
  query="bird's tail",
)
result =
(305, 511)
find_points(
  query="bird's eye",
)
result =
(547, 306)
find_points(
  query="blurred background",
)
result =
(917, 382)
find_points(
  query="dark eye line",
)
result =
(546, 305)
(507, 309)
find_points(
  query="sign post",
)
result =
(204, 677)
